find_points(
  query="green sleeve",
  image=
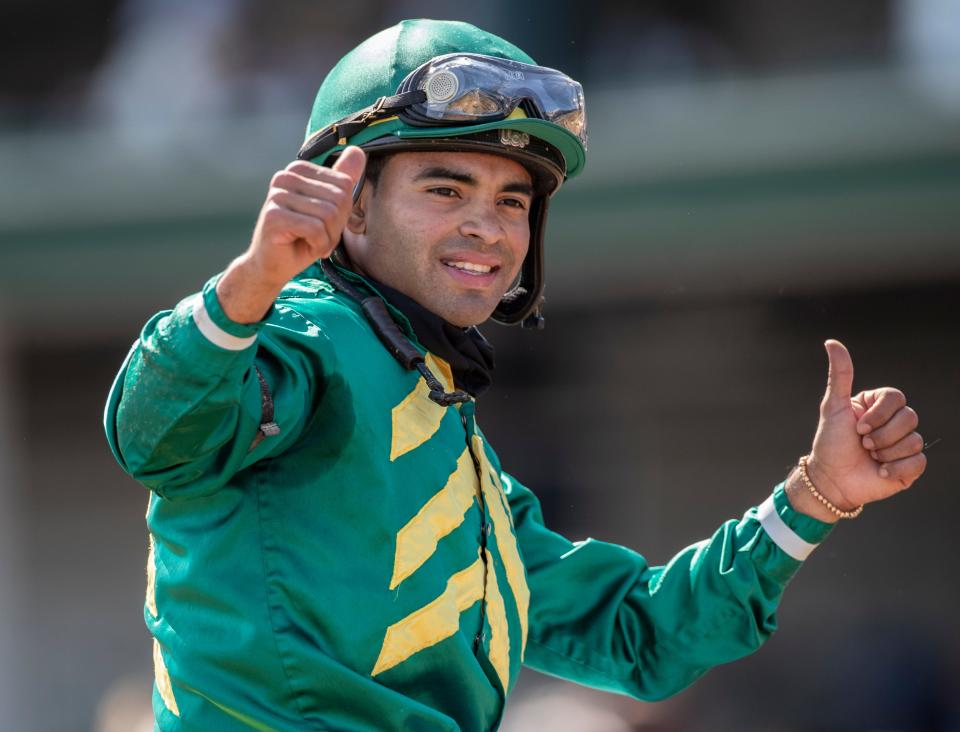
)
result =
(601, 616)
(186, 406)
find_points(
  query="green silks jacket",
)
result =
(372, 566)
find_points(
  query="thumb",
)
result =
(839, 373)
(352, 161)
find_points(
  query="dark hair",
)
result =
(374, 167)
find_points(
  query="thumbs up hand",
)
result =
(303, 216)
(301, 221)
(866, 447)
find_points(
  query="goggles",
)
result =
(470, 88)
(465, 89)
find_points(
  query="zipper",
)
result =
(484, 532)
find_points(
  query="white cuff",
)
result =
(214, 333)
(783, 536)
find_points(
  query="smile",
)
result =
(471, 268)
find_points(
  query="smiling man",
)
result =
(462, 250)
(334, 545)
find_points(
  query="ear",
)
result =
(357, 221)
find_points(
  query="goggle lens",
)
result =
(477, 88)
(473, 105)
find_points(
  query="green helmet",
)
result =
(363, 102)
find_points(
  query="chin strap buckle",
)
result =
(372, 112)
(535, 320)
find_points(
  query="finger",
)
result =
(909, 445)
(858, 404)
(899, 426)
(293, 225)
(352, 161)
(906, 470)
(881, 405)
(313, 187)
(331, 214)
(839, 375)
(307, 171)
(320, 208)
(330, 185)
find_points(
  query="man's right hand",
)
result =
(301, 221)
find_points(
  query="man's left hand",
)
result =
(866, 447)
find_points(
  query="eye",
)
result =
(443, 191)
(517, 203)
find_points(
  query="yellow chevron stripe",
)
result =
(162, 679)
(442, 370)
(152, 580)
(416, 419)
(506, 541)
(502, 494)
(499, 653)
(433, 622)
(444, 512)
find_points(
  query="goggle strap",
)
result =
(337, 133)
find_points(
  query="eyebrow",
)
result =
(467, 179)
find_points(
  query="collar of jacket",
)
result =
(315, 272)
(469, 354)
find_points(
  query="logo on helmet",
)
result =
(514, 138)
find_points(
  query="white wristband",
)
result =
(783, 536)
(214, 333)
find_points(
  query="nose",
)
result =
(482, 224)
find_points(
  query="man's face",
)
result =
(448, 229)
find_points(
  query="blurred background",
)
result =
(762, 175)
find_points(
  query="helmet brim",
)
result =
(394, 129)
(543, 161)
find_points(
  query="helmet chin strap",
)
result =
(534, 321)
(523, 304)
(390, 335)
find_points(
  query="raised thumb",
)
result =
(352, 161)
(839, 372)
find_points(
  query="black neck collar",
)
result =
(469, 354)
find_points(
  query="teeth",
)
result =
(470, 267)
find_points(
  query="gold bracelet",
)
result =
(823, 499)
